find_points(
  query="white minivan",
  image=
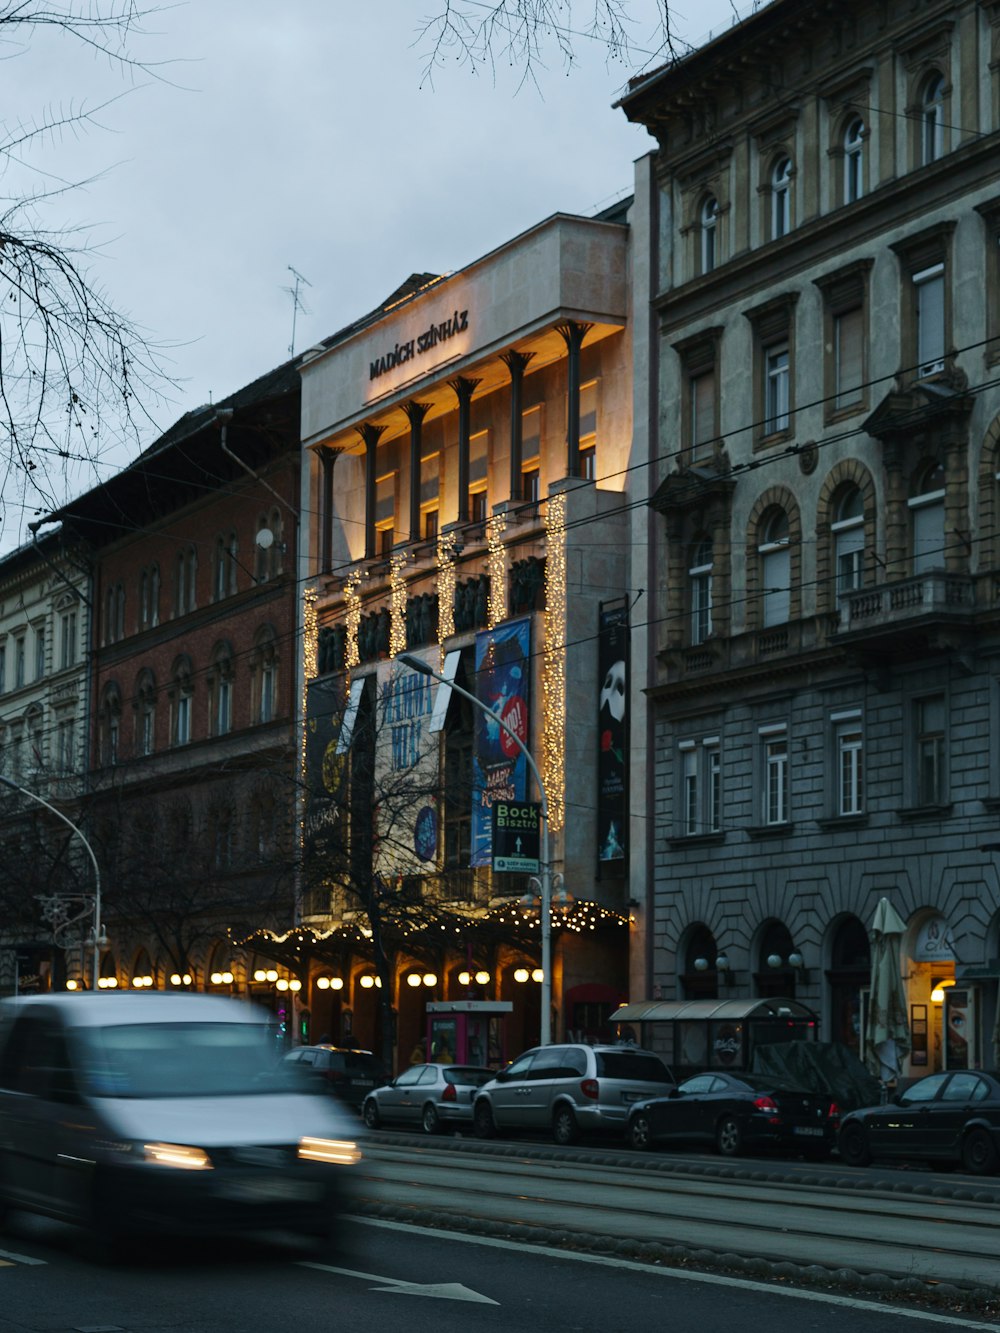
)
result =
(140, 1113)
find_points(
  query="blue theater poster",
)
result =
(500, 771)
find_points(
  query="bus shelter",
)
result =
(692, 1035)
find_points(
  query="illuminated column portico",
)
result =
(464, 389)
(573, 335)
(516, 363)
(415, 413)
(371, 436)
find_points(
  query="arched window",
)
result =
(775, 568)
(927, 532)
(187, 569)
(854, 179)
(850, 968)
(781, 198)
(848, 529)
(700, 582)
(701, 977)
(182, 701)
(145, 716)
(932, 119)
(110, 718)
(264, 665)
(709, 233)
(220, 684)
(221, 581)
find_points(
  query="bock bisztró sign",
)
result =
(423, 342)
(516, 835)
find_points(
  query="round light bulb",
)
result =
(295, 984)
(464, 978)
(336, 983)
(430, 979)
(413, 979)
(281, 984)
(537, 974)
(521, 974)
(323, 983)
(482, 978)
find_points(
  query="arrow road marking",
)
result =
(447, 1291)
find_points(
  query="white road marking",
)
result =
(20, 1258)
(447, 1291)
(682, 1274)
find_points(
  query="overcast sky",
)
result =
(304, 134)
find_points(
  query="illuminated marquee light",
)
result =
(353, 599)
(496, 564)
(397, 604)
(554, 662)
(447, 581)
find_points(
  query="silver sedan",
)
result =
(430, 1095)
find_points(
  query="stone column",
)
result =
(327, 458)
(464, 389)
(371, 436)
(573, 335)
(516, 363)
(415, 413)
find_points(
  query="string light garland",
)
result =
(554, 663)
(447, 581)
(353, 599)
(496, 565)
(310, 668)
(397, 604)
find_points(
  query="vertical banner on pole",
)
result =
(500, 772)
(612, 730)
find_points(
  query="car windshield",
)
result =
(146, 1060)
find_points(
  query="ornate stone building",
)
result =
(825, 685)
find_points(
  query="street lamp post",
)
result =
(98, 932)
(545, 869)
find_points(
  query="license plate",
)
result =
(270, 1189)
(811, 1130)
(362, 1083)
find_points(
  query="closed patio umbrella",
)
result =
(887, 1036)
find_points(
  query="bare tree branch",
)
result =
(77, 375)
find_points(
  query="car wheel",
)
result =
(979, 1154)
(371, 1115)
(482, 1121)
(853, 1145)
(640, 1133)
(430, 1119)
(565, 1130)
(729, 1136)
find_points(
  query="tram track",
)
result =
(875, 1230)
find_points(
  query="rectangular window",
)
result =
(928, 290)
(146, 735)
(430, 525)
(776, 389)
(477, 506)
(588, 431)
(531, 447)
(39, 653)
(183, 729)
(385, 513)
(65, 745)
(848, 354)
(929, 720)
(68, 634)
(850, 763)
(775, 773)
(776, 578)
(3, 667)
(701, 787)
(19, 662)
(224, 720)
(266, 692)
(530, 483)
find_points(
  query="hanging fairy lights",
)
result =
(397, 604)
(496, 564)
(447, 579)
(554, 662)
(353, 598)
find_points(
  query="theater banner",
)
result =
(500, 771)
(612, 729)
(327, 769)
(407, 771)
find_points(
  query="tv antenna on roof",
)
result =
(297, 303)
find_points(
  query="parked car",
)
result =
(429, 1095)
(570, 1089)
(945, 1117)
(138, 1113)
(348, 1074)
(733, 1112)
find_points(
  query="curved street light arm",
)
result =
(545, 870)
(33, 796)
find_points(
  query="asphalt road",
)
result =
(396, 1276)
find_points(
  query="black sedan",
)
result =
(945, 1117)
(733, 1112)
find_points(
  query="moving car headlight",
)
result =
(177, 1155)
(341, 1151)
